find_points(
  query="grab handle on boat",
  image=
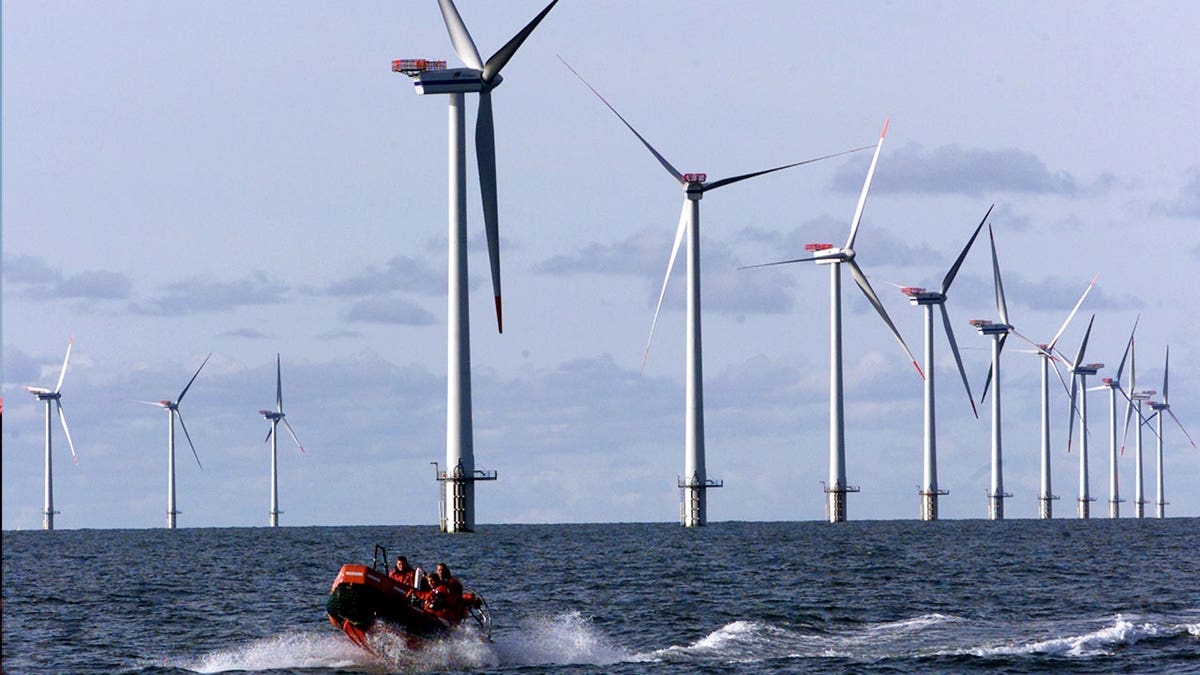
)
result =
(375, 557)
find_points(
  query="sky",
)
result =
(251, 179)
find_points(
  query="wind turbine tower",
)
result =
(275, 417)
(1079, 374)
(929, 490)
(172, 408)
(457, 501)
(1136, 398)
(1160, 410)
(53, 399)
(695, 482)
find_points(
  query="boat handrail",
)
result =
(375, 557)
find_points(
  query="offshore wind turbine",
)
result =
(1113, 385)
(432, 77)
(275, 417)
(1159, 410)
(929, 490)
(173, 411)
(53, 399)
(825, 254)
(998, 331)
(695, 482)
(1050, 357)
(1136, 398)
(1079, 374)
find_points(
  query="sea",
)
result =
(955, 596)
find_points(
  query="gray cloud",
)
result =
(954, 169)
(42, 282)
(246, 333)
(199, 295)
(1187, 204)
(400, 273)
(384, 309)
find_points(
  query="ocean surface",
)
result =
(1020, 596)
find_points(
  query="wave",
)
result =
(1100, 642)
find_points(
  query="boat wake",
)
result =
(571, 639)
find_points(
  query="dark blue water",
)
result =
(1018, 596)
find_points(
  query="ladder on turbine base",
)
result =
(837, 502)
(456, 511)
(1114, 507)
(996, 504)
(929, 502)
(691, 497)
(1045, 512)
(1085, 507)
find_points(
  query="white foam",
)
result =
(1094, 643)
(282, 652)
(559, 639)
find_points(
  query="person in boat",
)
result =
(402, 572)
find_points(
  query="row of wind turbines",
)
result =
(457, 495)
(53, 400)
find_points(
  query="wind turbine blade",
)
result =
(661, 160)
(156, 404)
(189, 439)
(1166, 375)
(67, 432)
(292, 432)
(1083, 346)
(726, 181)
(683, 219)
(1128, 347)
(865, 285)
(1185, 433)
(780, 262)
(1073, 310)
(1071, 417)
(862, 197)
(1128, 416)
(278, 384)
(485, 153)
(1063, 380)
(958, 357)
(63, 372)
(460, 37)
(497, 61)
(269, 431)
(189, 384)
(988, 380)
(949, 279)
(1001, 305)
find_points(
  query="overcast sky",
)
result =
(251, 178)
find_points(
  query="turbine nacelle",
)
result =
(828, 254)
(987, 327)
(452, 81)
(920, 296)
(1087, 369)
(43, 394)
(271, 414)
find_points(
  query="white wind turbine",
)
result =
(1159, 409)
(1113, 385)
(1050, 357)
(276, 416)
(999, 333)
(173, 411)
(432, 77)
(695, 481)
(929, 490)
(1079, 374)
(826, 254)
(53, 399)
(1136, 398)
